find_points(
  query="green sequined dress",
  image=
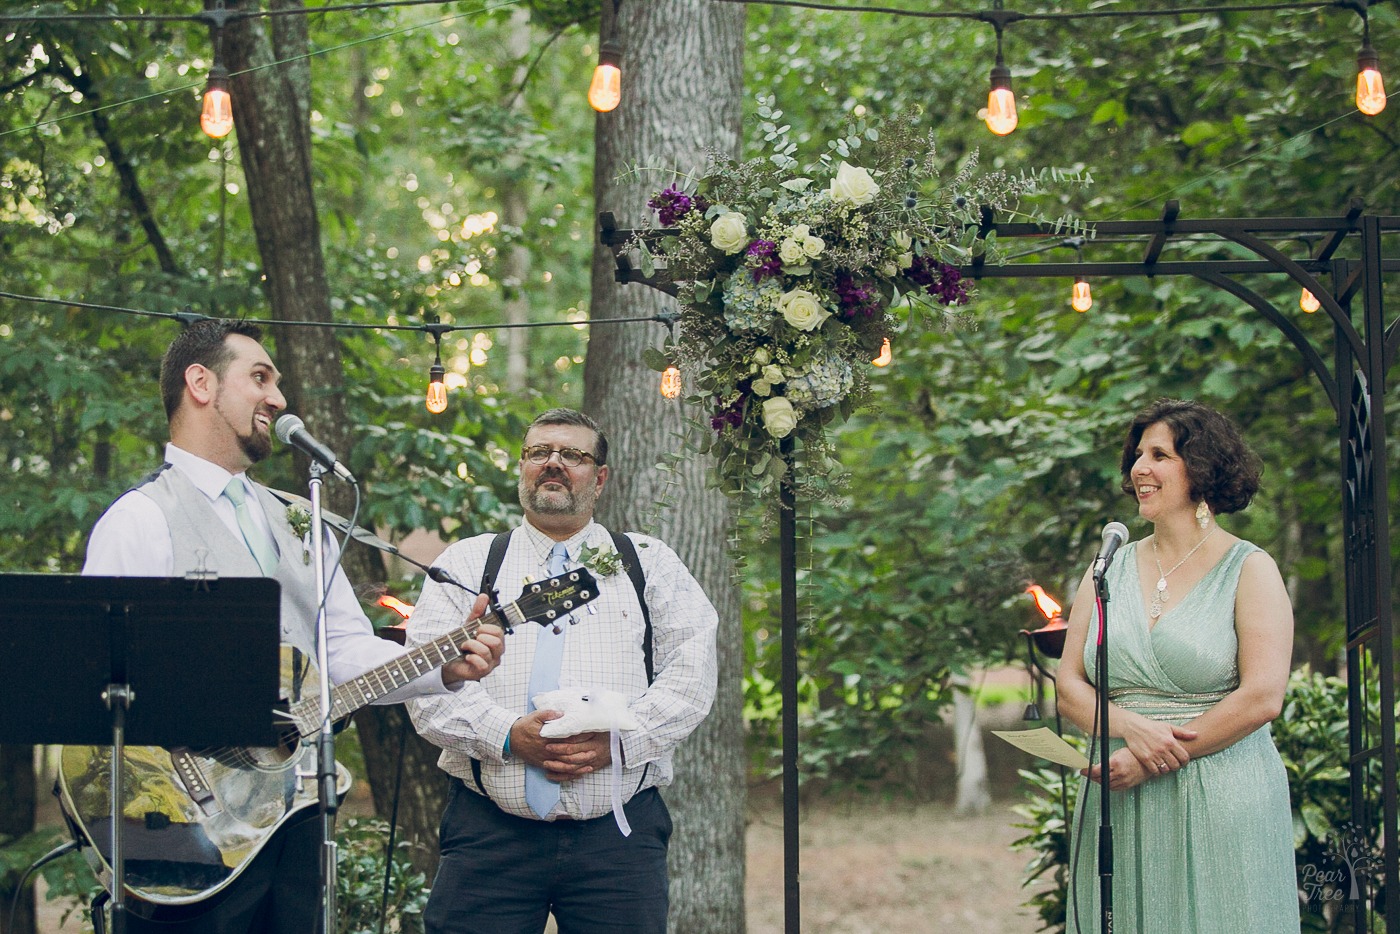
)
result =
(1208, 848)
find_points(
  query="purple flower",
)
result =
(857, 297)
(732, 415)
(940, 280)
(765, 252)
(670, 205)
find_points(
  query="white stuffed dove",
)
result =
(585, 712)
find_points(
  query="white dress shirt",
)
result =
(132, 539)
(603, 650)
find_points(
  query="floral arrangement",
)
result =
(791, 279)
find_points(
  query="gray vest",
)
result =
(201, 541)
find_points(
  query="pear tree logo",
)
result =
(1352, 858)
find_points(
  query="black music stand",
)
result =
(150, 661)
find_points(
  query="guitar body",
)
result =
(193, 818)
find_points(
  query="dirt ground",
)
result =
(869, 868)
(882, 867)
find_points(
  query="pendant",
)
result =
(1155, 610)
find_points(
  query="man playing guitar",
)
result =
(200, 512)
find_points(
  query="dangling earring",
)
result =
(1202, 514)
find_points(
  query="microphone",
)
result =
(292, 430)
(1115, 536)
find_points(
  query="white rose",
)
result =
(853, 185)
(905, 260)
(799, 232)
(773, 373)
(889, 269)
(761, 387)
(790, 252)
(813, 246)
(730, 232)
(762, 357)
(903, 241)
(778, 417)
(801, 309)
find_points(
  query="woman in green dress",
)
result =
(1200, 633)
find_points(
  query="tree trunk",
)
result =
(17, 791)
(271, 105)
(682, 86)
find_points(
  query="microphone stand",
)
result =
(1105, 818)
(325, 742)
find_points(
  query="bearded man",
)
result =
(532, 827)
(200, 512)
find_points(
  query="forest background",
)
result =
(438, 163)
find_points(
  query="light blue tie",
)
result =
(541, 793)
(258, 542)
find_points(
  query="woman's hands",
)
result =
(1156, 745)
(1124, 771)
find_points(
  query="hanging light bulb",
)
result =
(1081, 298)
(1370, 86)
(886, 355)
(437, 389)
(671, 382)
(1308, 302)
(605, 93)
(216, 120)
(1001, 101)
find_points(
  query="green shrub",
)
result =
(1311, 736)
(360, 882)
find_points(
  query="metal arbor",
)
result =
(1344, 261)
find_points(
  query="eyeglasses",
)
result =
(540, 454)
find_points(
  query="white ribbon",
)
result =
(615, 746)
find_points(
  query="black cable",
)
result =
(984, 16)
(393, 823)
(61, 850)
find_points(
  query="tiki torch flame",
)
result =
(1044, 602)
(398, 606)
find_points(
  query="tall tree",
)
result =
(682, 89)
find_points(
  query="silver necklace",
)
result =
(1161, 596)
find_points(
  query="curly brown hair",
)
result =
(1220, 466)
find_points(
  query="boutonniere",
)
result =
(604, 562)
(300, 521)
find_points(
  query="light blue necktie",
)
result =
(541, 793)
(258, 542)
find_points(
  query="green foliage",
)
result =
(1311, 736)
(360, 881)
(68, 878)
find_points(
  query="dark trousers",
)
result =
(502, 874)
(275, 894)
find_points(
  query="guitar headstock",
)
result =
(548, 601)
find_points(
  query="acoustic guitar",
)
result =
(195, 818)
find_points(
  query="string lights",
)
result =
(216, 119)
(886, 356)
(1308, 302)
(1001, 116)
(437, 389)
(605, 93)
(1081, 298)
(1370, 86)
(671, 382)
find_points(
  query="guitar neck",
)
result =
(370, 686)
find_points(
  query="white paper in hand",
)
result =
(1046, 744)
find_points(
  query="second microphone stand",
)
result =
(1105, 816)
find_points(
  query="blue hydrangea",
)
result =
(749, 306)
(824, 383)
